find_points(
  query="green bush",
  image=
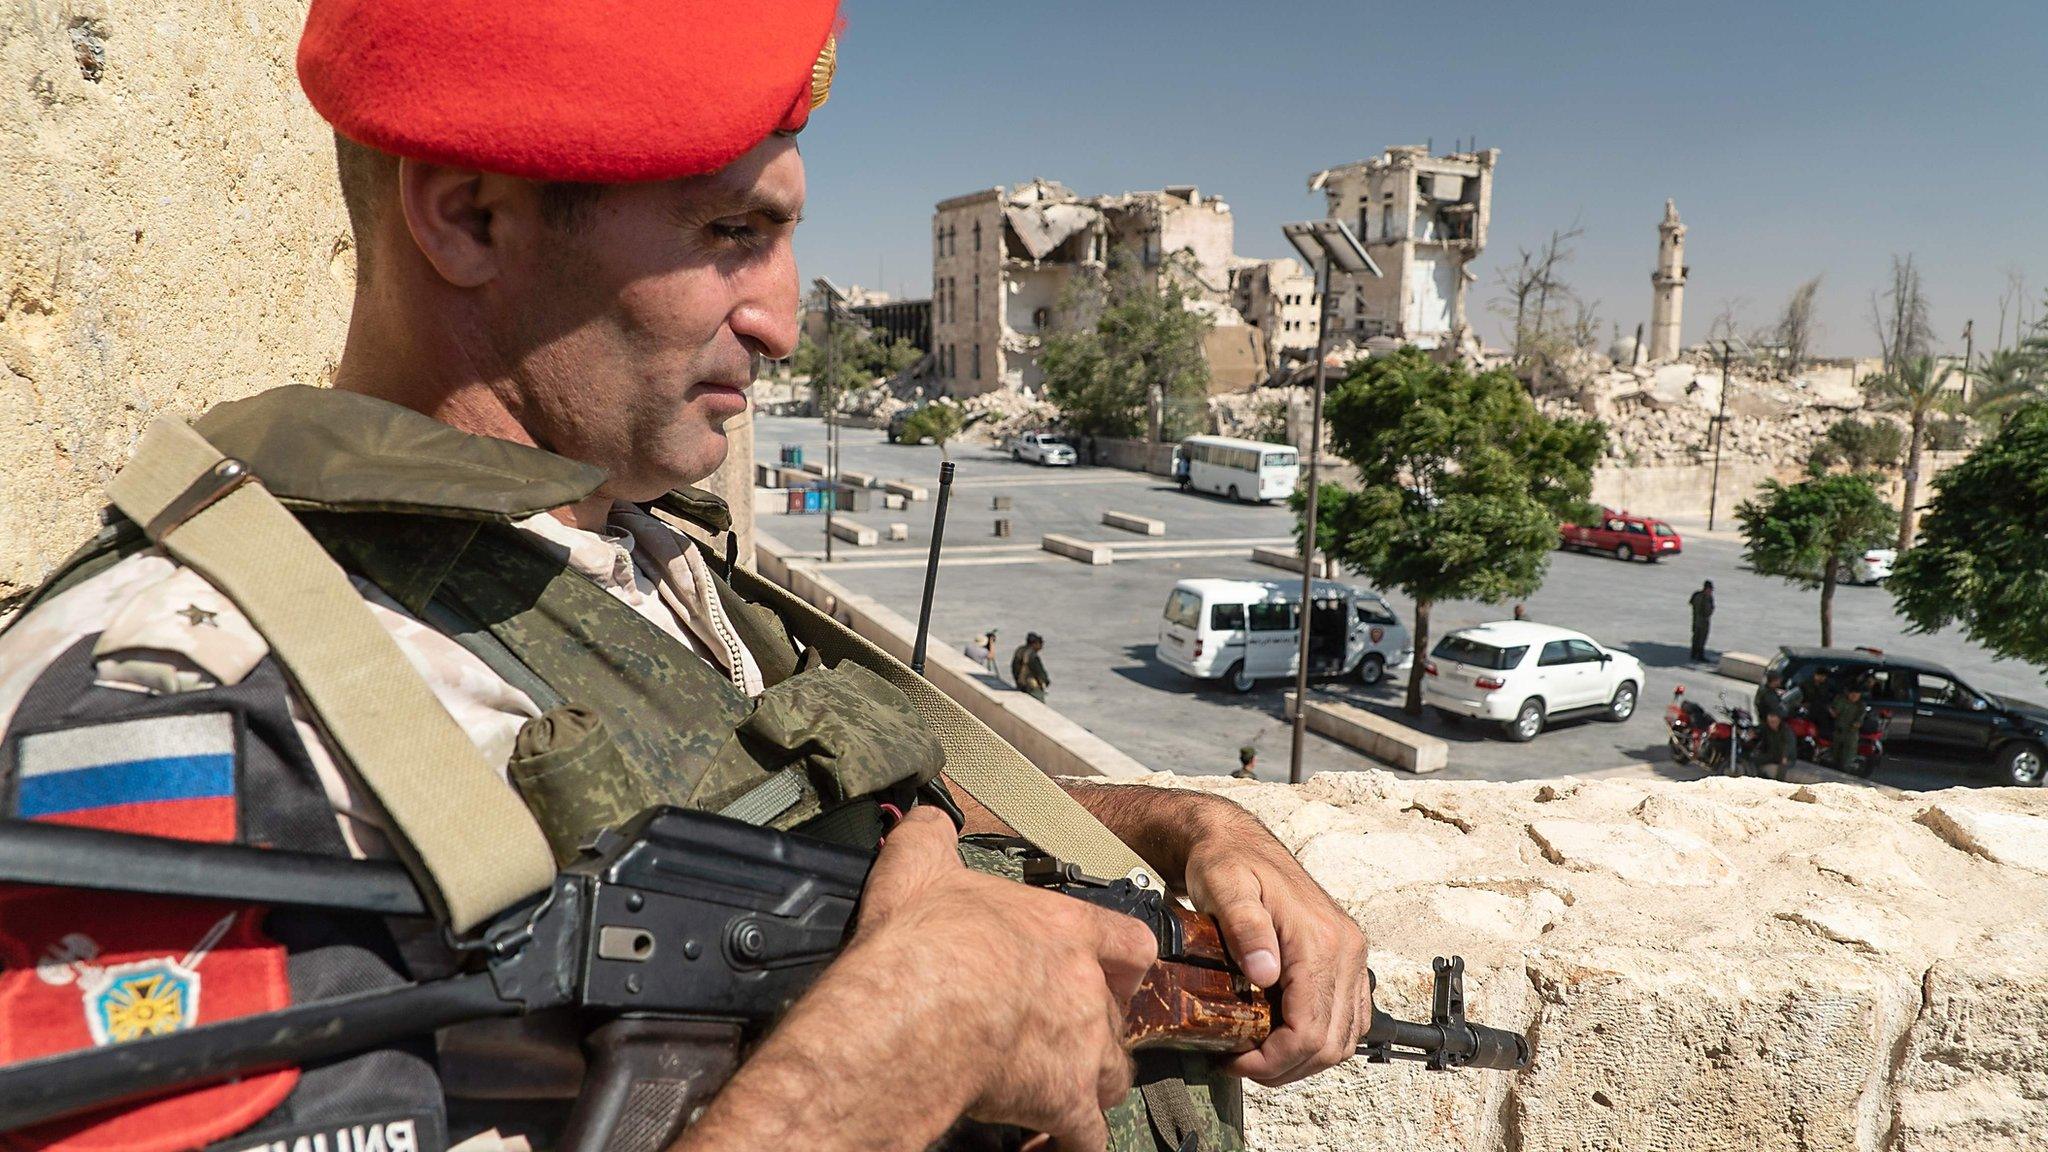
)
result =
(1860, 445)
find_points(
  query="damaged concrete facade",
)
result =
(1003, 260)
(1278, 297)
(1667, 291)
(1423, 219)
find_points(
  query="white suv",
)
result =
(1521, 674)
(1043, 448)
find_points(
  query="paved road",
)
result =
(1101, 623)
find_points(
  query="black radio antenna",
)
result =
(931, 568)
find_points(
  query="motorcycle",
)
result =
(1697, 737)
(1818, 747)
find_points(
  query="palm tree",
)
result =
(1918, 389)
(2011, 378)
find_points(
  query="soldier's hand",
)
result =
(1026, 989)
(1284, 930)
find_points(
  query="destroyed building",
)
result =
(1278, 297)
(1423, 220)
(1004, 259)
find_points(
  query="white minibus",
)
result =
(1239, 469)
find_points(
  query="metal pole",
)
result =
(1308, 543)
(931, 569)
(1969, 352)
(1720, 422)
(831, 440)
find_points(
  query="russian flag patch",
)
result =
(156, 776)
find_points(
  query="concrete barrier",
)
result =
(905, 489)
(857, 479)
(812, 467)
(854, 532)
(1142, 525)
(1289, 559)
(893, 503)
(899, 531)
(1057, 745)
(771, 501)
(1088, 553)
(1743, 666)
(1375, 735)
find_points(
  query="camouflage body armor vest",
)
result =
(629, 718)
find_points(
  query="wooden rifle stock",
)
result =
(1200, 1002)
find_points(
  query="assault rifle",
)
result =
(680, 937)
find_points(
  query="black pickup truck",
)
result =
(1932, 711)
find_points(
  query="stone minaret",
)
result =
(1667, 300)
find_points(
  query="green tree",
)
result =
(1812, 532)
(860, 356)
(1916, 389)
(1461, 484)
(1861, 445)
(938, 421)
(1143, 349)
(1982, 562)
(2008, 380)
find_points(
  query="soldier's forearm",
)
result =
(1160, 824)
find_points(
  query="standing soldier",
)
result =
(1702, 615)
(1770, 696)
(382, 620)
(1247, 763)
(1849, 710)
(1027, 670)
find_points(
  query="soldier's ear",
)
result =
(461, 219)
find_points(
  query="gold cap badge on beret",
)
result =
(821, 72)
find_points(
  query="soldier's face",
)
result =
(639, 328)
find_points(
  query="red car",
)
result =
(1624, 536)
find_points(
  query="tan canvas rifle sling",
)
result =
(466, 836)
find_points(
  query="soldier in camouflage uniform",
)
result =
(567, 271)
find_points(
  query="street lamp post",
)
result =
(1720, 428)
(827, 394)
(1324, 244)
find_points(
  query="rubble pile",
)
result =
(1664, 413)
(1008, 414)
(1642, 433)
(1260, 414)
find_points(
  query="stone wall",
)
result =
(170, 236)
(1727, 964)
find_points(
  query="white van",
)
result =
(1239, 469)
(1245, 631)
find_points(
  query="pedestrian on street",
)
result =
(1770, 696)
(1848, 712)
(982, 650)
(1247, 763)
(1027, 670)
(1702, 615)
(1521, 613)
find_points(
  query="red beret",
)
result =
(605, 91)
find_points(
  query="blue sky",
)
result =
(1798, 137)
